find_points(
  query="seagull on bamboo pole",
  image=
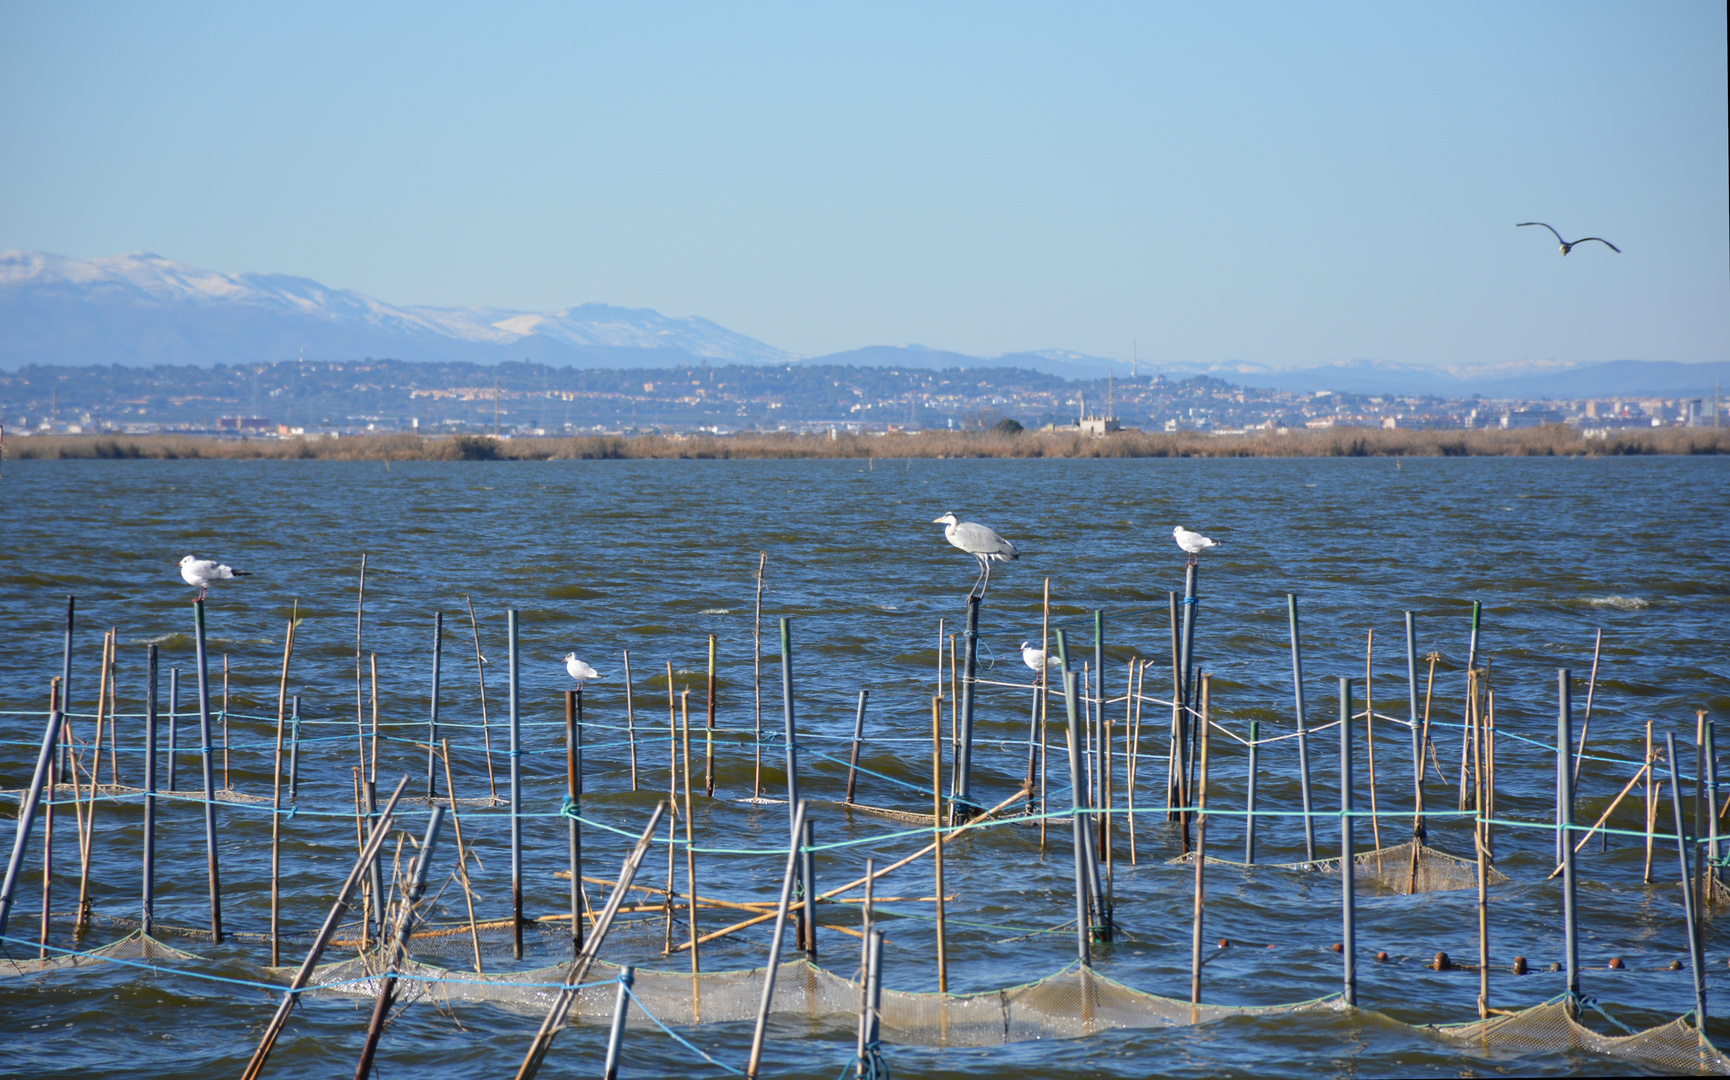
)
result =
(982, 543)
(1192, 543)
(578, 670)
(1570, 245)
(201, 572)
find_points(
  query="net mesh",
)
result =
(1402, 869)
(1673, 1047)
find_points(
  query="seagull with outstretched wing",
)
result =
(1570, 245)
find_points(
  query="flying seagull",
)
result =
(1193, 543)
(201, 572)
(1570, 245)
(1036, 658)
(980, 542)
(579, 670)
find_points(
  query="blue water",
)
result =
(652, 557)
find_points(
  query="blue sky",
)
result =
(1281, 184)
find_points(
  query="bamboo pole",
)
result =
(977, 822)
(147, 899)
(1297, 678)
(757, 675)
(113, 692)
(1132, 753)
(1586, 722)
(372, 774)
(227, 785)
(709, 729)
(1605, 816)
(481, 674)
(359, 712)
(1044, 702)
(1370, 740)
(673, 799)
(51, 798)
(101, 703)
(1651, 806)
(630, 720)
(28, 804)
(276, 802)
(432, 723)
(690, 842)
(462, 854)
(1479, 842)
(780, 917)
(937, 831)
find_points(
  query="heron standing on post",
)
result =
(980, 542)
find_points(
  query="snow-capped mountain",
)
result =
(145, 309)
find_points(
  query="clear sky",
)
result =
(1282, 184)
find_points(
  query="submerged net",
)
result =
(1674, 1047)
(134, 946)
(1406, 868)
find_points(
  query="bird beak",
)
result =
(936, 521)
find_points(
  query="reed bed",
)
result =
(1556, 440)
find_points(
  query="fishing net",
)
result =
(135, 946)
(1674, 1047)
(1402, 869)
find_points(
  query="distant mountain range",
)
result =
(142, 310)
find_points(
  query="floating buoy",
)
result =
(1616, 963)
(1675, 965)
(1442, 963)
(1381, 958)
(1337, 947)
(1225, 943)
(1519, 965)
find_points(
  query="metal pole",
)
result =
(1713, 847)
(375, 872)
(961, 807)
(870, 1017)
(1083, 906)
(1694, 958)
(574, 799)
(66, 683)
(1418, 832)
(787, 716)
(1471, 666)
(208, 775)
(787, 877)
(294, 751)
(858, 732)
(1564, 823)
(808, 881)
(1348, 867)
(621, 1009)
(27, 811)
(147, 898)
(1200, 864)
(1190, 603)
(173, 723)
(432, 739)
(1297, 680)
(516, 744)
(1249, 819)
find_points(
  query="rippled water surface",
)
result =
(653, 557)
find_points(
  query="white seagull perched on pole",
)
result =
(980, 542)
(1192, 543)
(201, 572)
(1570, 245)
(1036, 658)
(579, 670)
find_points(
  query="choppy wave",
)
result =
(1620, 603)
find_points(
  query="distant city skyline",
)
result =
(1276, 186)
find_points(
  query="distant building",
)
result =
(244, 424)
(1100, 425)
(1529, 418)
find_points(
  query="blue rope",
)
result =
(676, 1037)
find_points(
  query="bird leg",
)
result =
(987, 584)
(978, 582)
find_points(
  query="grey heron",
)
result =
(579, 670)
(1192, 543)
(201, 572)
(1570, 245)
(980, 542)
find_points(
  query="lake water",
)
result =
(653, 557)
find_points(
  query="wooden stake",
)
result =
(359, 712)
(1651, 805)
(1137, 673)
(372, 774)
(1200, 861)
(226, 784)
(1044, 702)
(1586, 724)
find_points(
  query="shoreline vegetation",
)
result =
(1555, 440)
